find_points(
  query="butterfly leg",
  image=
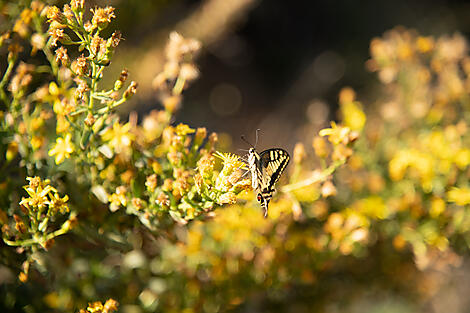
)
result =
(265, 206)
(244, 174)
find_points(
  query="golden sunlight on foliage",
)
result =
(152, 212)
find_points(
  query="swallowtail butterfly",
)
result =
(266, 169)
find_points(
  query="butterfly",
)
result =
(266, 169)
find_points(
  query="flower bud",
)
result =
(328, 189)
(89, 120)
(172, 103)
(299, 153)
(320, 147)
(77, 5)
(12, 150)
(131, 90)
(200, 135)
(54, 14)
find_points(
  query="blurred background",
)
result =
(278, 66)
(274, 65)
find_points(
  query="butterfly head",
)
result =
(251, 150)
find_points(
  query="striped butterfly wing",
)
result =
(271, 164)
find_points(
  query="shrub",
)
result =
(152, 215)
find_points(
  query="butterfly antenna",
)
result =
(244, 150)
(256, 142)
(244, 139)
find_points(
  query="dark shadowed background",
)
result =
(273, 65)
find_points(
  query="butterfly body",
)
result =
(266, 169)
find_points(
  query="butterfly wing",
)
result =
(271, 164)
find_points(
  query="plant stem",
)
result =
(314, 178)
(4, 80)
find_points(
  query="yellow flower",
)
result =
(62, 124)
(422, 165)
(353, 116)
(336, 134)
(37, 191)
(183, 129)
(190, 213)
(12, 150)
(151, 182)
(425, 44)
(119, 137)
(228, 197)
(231, 162)
(36, 142)
(320, 146)
(118, 198)
(54, 89)
(461, 196)
(372, 206)
(438, 206)
(95, 307)
(205, 165)
(58, 204)
(110, 306)
(462, 158)
(62, 149)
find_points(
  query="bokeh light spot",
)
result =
(225, 99)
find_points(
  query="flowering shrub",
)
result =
(394, 217)
(153, 215)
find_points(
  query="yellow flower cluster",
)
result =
(32, 227)
(421, 139)
(42, 195)
(395, 178)
(109, 306)
(181, 178)
(404, 186)
(228, 182)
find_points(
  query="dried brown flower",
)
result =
(57, 34)
(102, 16)
(115, 39)
(54, 14)
(98, 46)
(89, 120)
(130, 91)
(81, 88)
(61, 56)
(80, 66)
